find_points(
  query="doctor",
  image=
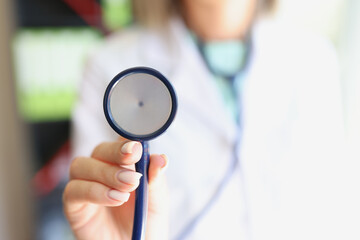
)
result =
(255, 145)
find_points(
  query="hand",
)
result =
(99, 198)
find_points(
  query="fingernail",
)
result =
(119, 196)
(128, 177)
(165, 163)
(128, 147)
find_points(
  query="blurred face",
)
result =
(217, 1)
(239, 6)
(222, 18)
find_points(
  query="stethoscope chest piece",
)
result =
(140, 104)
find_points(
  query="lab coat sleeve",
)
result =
(89, 126)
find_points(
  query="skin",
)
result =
(89, 203)
(215, 20)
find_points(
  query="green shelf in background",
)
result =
(48, 64)
(52, 106)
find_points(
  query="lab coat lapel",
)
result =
(197, 90)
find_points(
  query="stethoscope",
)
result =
(140, 104)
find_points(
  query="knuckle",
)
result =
(67, 191)
(96, 149)
(75, 164)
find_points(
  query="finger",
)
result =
(115, 177)
(81, 191)
(120, 152)
(158, 164)
(157, 223)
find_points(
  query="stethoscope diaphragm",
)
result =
(140, 103)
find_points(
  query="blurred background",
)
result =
(43, 48)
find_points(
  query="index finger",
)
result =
(122, 152)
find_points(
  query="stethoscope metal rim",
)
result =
(107, 111)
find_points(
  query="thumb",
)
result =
(157, 221)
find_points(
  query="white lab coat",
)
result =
(286, 185)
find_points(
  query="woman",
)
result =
(244, 138)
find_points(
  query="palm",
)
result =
(99, 222)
